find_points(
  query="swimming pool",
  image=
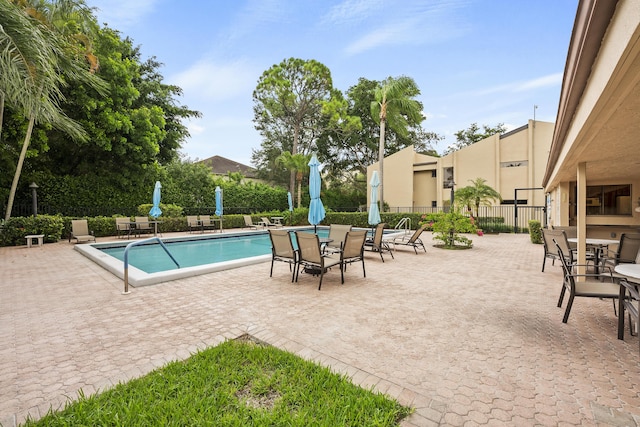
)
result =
(149, 264)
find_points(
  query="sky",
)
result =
(475, 61)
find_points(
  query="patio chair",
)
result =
(80, 231)
(413, 241)
(550, 250)
(352, 251)
(248, 222)
(208, 223)
(143, 225)
(587, 288)
(310, 256)
(282, 250)
(377, 244)
(193, 223)
(266, 222)
(626, 252)
(337, 234)
(123, 225)
(631, 305)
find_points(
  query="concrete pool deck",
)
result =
(466, 337)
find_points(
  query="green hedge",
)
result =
(56, 227)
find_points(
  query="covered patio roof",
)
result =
(598, 120)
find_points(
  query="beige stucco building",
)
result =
(593, 173)
(514, 160)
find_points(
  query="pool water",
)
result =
(151, 258)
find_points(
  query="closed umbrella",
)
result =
(374, 210)
(218, 201)
(316, 209)
(219, 204)
(290, 201)
(155, 211)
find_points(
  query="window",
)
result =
(434, 203)
(608, 199)
(434, 174)
(515, 164)
(447, 177)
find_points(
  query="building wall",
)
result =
(515, 160)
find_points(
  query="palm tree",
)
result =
(394, 105)
(479, 193)
(298, 163)
(38, 53)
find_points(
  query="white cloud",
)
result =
(522, 86)
(350, 11)
(417, 23)
(122, 14)
(209, 80)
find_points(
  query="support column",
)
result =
(581, 218)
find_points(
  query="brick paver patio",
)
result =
(467, 337)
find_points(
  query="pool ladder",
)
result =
(404, 224)
(126, 259)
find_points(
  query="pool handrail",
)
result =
(126, 259)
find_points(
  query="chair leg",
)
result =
(568, 310)
(564, 289)
(321, 276)
(342, 268)
(364, 273)
(271, 272)
(543, 261)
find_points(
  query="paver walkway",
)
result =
(467, 337)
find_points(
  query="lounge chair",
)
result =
(80, 231)
(143, 225)
(123, 226)
(282, 250)
(413, 241)
(583, 285)
(337, 235)
(248, 222)
(311, 256)
(193, 223)
(377, 244)
(265, 222)
(352, 251)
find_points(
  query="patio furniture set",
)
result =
(343, 246)
(607, 274)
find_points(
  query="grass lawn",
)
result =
(237, 383)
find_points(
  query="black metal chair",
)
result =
(282, 250)
(587, 288)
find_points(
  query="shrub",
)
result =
(535, 231)
(15, 229)
(448, 226)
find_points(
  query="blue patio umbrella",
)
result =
(218, 201)
(155, 211)
(316, 209)
(290, 201)
(374, 210)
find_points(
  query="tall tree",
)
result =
(42, 47)
(289, 98)
(473, 134)
(476, 194)
(394, 105)
(298, 164)
(137, 125)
